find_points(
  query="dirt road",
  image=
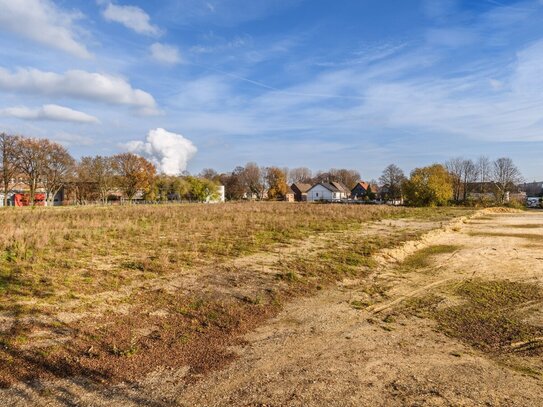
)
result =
(353, 346)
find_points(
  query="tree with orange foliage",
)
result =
(133, 173)
(277, 183)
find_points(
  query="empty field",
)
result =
(268, 303)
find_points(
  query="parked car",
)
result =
(533, 202)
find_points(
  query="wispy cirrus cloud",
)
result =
(49, 112)
(43, 22)
(131, 17)
(486, 103)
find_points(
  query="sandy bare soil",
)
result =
(351, 345)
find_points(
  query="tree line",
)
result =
(42, 163)
(273, 182)
(456, 180)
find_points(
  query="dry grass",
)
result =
(63, 259)
(492, 315)
(71, 251)
(528, 236)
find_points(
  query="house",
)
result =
(300, 191)
(360, 190)
(342, 188)
(289, 196)
(329, 192)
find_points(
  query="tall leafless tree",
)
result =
(506, 176)
(59, 165)
(8, 162)
(349, 178)
(300, 174)
(469, 176)
(391, 180)
(455, 166)
(32, 162)
(254, 180)
(484, 173)
(96, 176)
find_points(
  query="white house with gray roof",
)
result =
(330, 192)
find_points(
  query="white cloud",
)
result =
(131, 17)
(170, 152)
(49, 112)
(77, 84)
(165, 54)
(41, 21)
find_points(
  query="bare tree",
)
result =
(234, 184)
(31, 162)
(301, 174)
(8, 162)
(484, 170)
(253, 178)
(349, 178)
(463, 175)
(506, 176)
(469, 176)
(96, 177)
(455, 166)
(391, 180)
(59, 164)
(210, 174)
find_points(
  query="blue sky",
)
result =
(356, 84)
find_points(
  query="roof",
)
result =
(340, 187)
(366, 185)
(303, 188)
(330, 187)
(362, 184)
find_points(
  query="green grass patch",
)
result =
(424, 258)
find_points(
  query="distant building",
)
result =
(342, 188)
(329, 192)
(300, 191)
(361, 189)
(289, 196)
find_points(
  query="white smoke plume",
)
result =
(170, 152)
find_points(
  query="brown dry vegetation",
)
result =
(91, 291)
